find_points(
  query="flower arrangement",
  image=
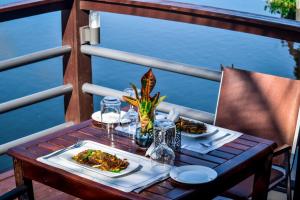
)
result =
(146, 104)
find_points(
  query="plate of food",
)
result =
(195, 129)
(101, 159)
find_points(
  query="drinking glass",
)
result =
(162, 155)
(110, 111)
(171, 135)
(131, 114)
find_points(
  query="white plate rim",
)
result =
(97, 119)
(211, 172)
(120, 154)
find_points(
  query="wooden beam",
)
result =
(201, 15)
(22, 181)
(77, 66)
(28, 8)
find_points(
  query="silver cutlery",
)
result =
(210, 143)
(214, 132)
(74, 146)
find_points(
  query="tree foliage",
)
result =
(286, 8)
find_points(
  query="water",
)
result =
(196, 45)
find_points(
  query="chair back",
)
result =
(259, 104)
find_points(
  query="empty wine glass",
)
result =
(162, 156)
(131, 114)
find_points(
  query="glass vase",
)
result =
(145, 139)
(144, 132)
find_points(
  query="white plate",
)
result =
(111, 118)
(67, 156)
(210, 131)
(193, 174)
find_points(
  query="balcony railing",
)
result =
(77, 87)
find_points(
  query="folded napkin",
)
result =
(221, 137)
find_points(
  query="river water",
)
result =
(191, 44)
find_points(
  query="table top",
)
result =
(233, 162)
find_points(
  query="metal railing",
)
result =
(165, 65)
(36, 97)
(99, 90)
(34, 57)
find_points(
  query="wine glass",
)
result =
(162, 156)
(131, 114)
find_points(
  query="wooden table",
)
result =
(234, 161)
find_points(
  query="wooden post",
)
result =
(262, 179)
(20, 180)
(77, 66)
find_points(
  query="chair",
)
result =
(265, 106)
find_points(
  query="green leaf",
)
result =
(131, 101)
(148, 82)
(143, 105)
(135, 91)
(148, 106)
(155, 98)
(160, 100)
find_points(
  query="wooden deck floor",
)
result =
(41, 192)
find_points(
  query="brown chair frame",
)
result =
(284, 149)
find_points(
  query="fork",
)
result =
(74, 146)
(210, 143)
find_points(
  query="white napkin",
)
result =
(173, 115)
(150, 149)
(193, 144)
